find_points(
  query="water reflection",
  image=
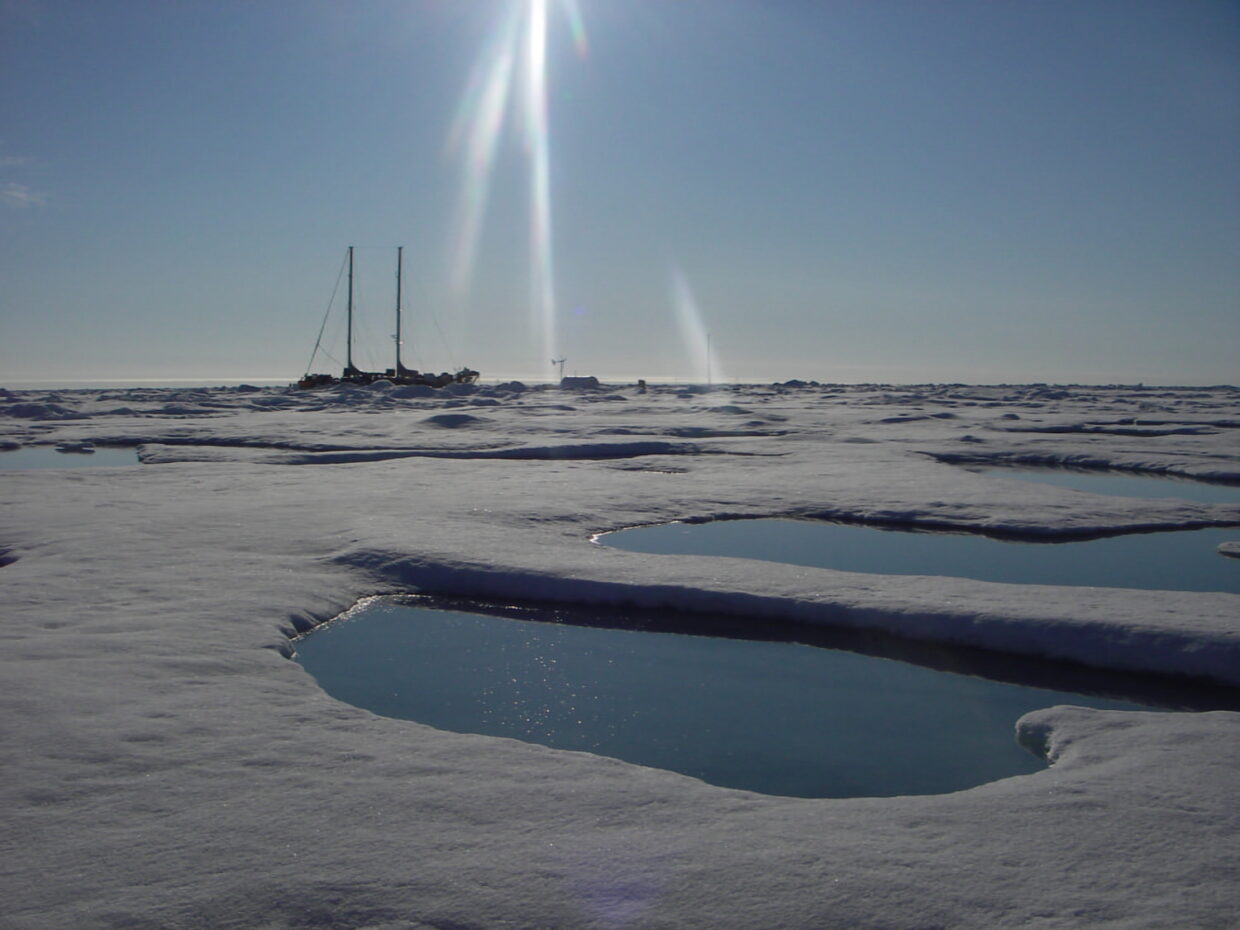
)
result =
(779, 714)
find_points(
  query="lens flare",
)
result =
(519, 42)
(575, 24)
(704, 364)
(477, 127)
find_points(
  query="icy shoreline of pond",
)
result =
(169, 767)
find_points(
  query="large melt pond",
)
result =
(780, 717)
(1180, 560)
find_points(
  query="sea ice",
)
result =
(167, 766)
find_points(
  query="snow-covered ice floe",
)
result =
(167, 766)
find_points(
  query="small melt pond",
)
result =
(1180, 560)
(1121, 484)
(49, 457)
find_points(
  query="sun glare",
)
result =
(694, 332)
(509, 81)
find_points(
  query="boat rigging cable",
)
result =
(452, 360)
(335, 290)
(363, 335)
(443, 337)
(396, 375)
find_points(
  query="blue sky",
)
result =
(841, 191)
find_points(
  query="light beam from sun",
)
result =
(703, 359)
(520, 41)
(542, 266)
(477, 126)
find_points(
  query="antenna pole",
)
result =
(399, 260)
(348, 370)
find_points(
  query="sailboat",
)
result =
(398, 374)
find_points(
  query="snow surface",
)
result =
(166, 765)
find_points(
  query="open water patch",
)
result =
(1121, 483)
(594, 451)
(781, 709)
(1172, 560)
(29, 457)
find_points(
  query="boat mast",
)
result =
(399, 257)
(348, 365)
